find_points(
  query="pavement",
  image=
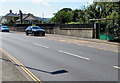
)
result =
(8, 71)
(87, 39)
(0, 68)
(11, 73)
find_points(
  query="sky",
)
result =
(40, 8)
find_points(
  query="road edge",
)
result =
(19, 68)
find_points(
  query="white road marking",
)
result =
(74, 55)
(97, 47)
(36, 37)
(40, 45)
(116, 67)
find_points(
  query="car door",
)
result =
(29, 30)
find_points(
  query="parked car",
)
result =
(35, 30)
(4, 29)
(0, 25)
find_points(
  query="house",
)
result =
(3, 20)
(29, 19)
(8, 17)
(0, 19)
(22, 18)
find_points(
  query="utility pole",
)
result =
(42, 17)
(21, 16)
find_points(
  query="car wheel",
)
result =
(33, 33)
(40, 34)
(27, 34)
(43, 34)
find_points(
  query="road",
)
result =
(51, 60)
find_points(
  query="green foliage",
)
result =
(33, 25)
(63, 16)
(73, 23)
(98, 10)
(9, 22)
(12, 20)
(66, 9)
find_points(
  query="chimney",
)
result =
(21, 16)
(10, 11)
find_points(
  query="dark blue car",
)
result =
(35, 30)
(4, 29)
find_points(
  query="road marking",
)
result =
(85, 41)
(97, 48)
(103, 43)
(116, 67)
(102, 48)
(74, 55)
(22, 67)
(40, 45)
(38, 37)
(91, 46)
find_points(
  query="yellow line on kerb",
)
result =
(22, 67)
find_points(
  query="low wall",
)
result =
(78, 30)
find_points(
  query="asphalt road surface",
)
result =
(51, 60)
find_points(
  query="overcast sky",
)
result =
(41, 8)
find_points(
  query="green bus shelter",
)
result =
(103, 32)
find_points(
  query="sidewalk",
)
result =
(86, 39)
(0, 68)
(8, 71)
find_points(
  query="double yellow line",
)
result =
(32, 76)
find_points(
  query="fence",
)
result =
(76, 26)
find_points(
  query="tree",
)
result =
(76, 15)
(12, 20)
(15, 18)
(97, 10)
(65, 15)
(66, 9)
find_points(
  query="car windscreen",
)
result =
(36, 27)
